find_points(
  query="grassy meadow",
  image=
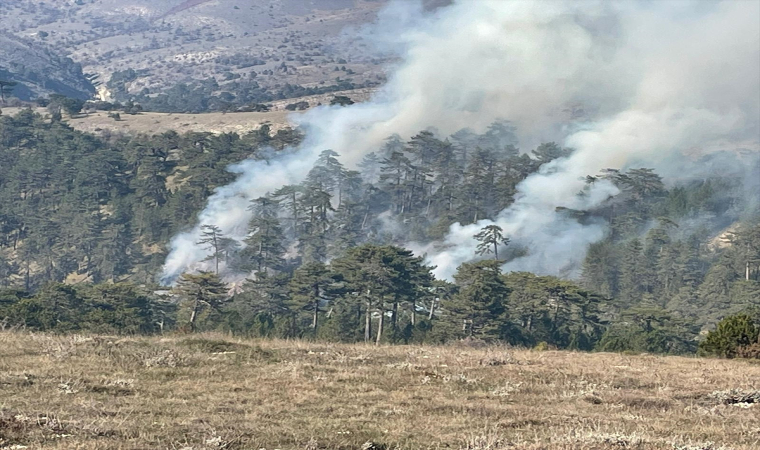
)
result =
(216, 392)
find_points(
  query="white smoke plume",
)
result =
(620, 82)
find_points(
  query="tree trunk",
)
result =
(315, 320)
(368, 319)
(414, 312)
(27, 278)
(295, 212)
(394, 315)
(193, 316)
(216, 254)
(746, 271)
(380, 323)
(432, 308)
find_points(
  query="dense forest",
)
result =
(85, 220)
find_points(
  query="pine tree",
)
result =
(600, 270)
(264, 244)
(290, 200)
(480, 303)
(746, 240)
(632, 273)
(394, 174)
(312, 286)
(313, 241)
(211, 238)
(490, 238)
(326, 173)
(448, 174)
(370, 167)
(464, 142)
(382, 277)
(548, 152)
(478, 188)
(199, 292)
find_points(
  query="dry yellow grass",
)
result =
(212, 392)
(155, 123)
(212, 122)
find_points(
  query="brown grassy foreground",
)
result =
(212, 392)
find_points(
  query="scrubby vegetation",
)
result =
(208, 95)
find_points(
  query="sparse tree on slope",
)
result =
(211, 238)
(489, 238)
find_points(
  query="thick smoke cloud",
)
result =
(620, 82)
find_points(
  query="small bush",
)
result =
(541, 347)
(731, 334)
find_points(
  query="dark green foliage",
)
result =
(341, 100)
(321, 256)
(265, 242)
(384, 280)
(72, 106)
(106, 308)
(201, 297)
(550, 310)
(311, 287)
(97, 209)
(632, 338)
(731, 334)
(480, 305)
(208, 95)
(6, 89)
(648, 328)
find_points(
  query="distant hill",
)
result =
(40, 71)
(261, 51)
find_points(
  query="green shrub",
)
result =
(634, 339)
(732, 333)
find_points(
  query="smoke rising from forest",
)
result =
(621, 83)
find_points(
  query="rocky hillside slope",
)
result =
(39, 70)
(155, 44)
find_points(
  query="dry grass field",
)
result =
(212, 122)
(156, 123)
(215, 392)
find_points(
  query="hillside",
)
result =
(142, 46)
(102, 208)
(209, 392)
(39, 70)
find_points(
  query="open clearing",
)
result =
(212, 392)
(155, 123)
(213, 122)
